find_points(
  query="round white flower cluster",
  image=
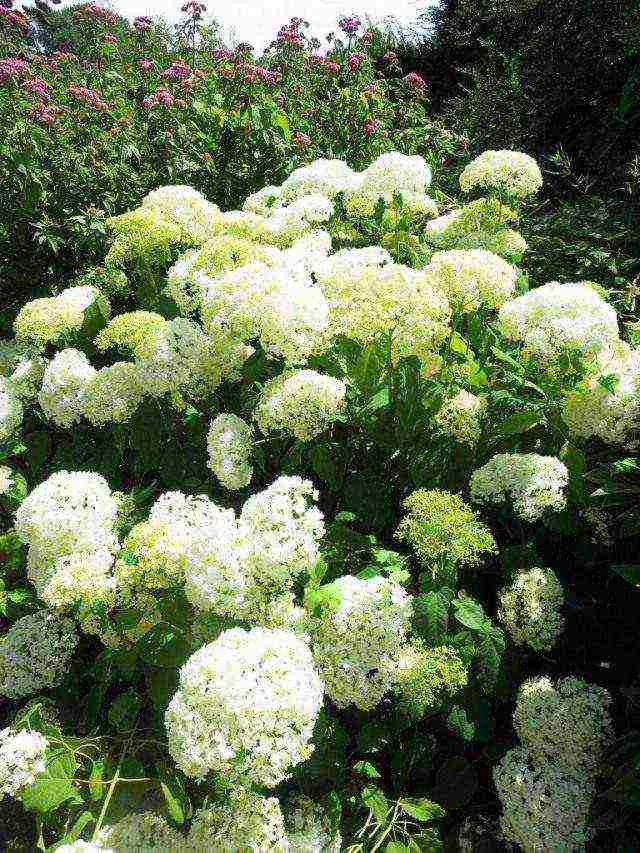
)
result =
(510, 172)
(391, 173)
(309, 829)
(370, 303)
(245, 822)
(70, 511)
(329, 270)
(328, 177)
(358, 632)
(534, 484)
(11, 411)
(229, 445)
(141, 832)
(238, 566)
(543, 809)
(81, 846)
(288, 315)
(607, 403)
(547, 785)
(530, 609)
(113, 394)
(63, 385)
(82, 578)
(198, 218)
(52, 319)
(246, 707)
(23, 366)
(473, 278)
(35, 653)
(460, 417)
(301, 402)
(568, 724)
(558, 317)
(22, 759)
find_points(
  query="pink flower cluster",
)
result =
(390, 56)
(251, 73)
(193, 9)
(36, 86)
(350, 25)
(94, 10)
(109, 38)
(12, 68)
(13, 19)
(414, 81)
(355, 60)
(43, 113)
(162, 98)
(88, 96)
(290, 33)
(142, 23)
(178, 70)
(370, 126)
(302, 140)
(221, 53)
(147, 65)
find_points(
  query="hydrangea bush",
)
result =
(280, 486)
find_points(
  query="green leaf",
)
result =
(365, 768)
(76, 830)
(396, 847)
(175, 796)
(520, 422)
(469, 613)
(422, 809)
(54, 786)
(375, 800)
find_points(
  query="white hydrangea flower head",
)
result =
(460, 417)
(11, 410)
(63, 384)
(82, 578)
(301, 402)
(246, 707)
(22, 759)
(306, 253)
(51, 319)
(81, 846)
(134, 332)
(23, 366)
(35, 654)
(473, 278)
(288, 315)
(361, 203)
(198, 218)
(328, 177)
(229, 445)
(142, 832)
(543, 809)
(70, 511)
(246, 822)
(314, 208)
(511, 172)
(6, 479)
(263, 201)
(371, 303)
(329, 270)
(530, 608)
(113, 394)
(157, 552)
(308, 827)
(533, 483)
(609, 410)
(557, 317)
(568, 724)
(285, 528)
(358, 639)
(395, 172)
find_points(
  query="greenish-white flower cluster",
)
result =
(23, 366)
(530, 608)
(11, 410)
(22, 759)
(56, 318)
(606, 403)
(546, 785)
(300, 402)
(473, 278)
(63, 385)
(532, 483)
(229, 444)
(557, 318)
(510, 172)
(35, 653)
(358, 631)
(460, 417)
(246, 706)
